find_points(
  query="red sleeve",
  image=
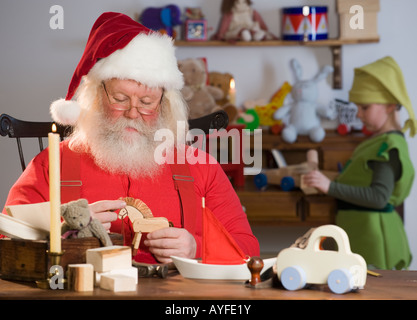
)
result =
(33, 185)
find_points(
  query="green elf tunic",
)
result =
(376, 233)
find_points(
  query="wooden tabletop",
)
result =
(391, 285)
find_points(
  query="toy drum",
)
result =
(308, 23)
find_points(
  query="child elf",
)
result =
(380, 174)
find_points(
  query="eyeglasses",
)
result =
(123, 103)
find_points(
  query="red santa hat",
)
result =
(119, 47)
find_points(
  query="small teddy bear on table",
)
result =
(78, 222)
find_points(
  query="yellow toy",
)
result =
(267, 111)
(304, 263)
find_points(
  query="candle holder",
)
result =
(55, 276)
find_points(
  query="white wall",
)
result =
(37, 63)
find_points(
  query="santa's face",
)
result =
(120, 128)
(131, 100)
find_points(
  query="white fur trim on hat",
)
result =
(65, 112)
(147, 58)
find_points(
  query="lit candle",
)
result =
(232, 92)
(54, 191)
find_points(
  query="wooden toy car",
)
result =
(342, 270)
(290, 177)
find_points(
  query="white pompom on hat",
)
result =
(119, 47)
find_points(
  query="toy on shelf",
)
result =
(307, 23)
(290, 177)
(195, 26)
(266, 112)
(249, 118)
(307, 263)
(199, 94)
(162, 19)
(222, 80)
(193, 13)
(240, 22)
(348, 122)
(302, 116)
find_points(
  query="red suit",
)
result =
(159, 195)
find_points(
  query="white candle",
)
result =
(54, 191)
(232, 92)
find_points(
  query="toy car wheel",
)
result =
(287, 183)
(293, 278)
(340, 281)
(261, 181)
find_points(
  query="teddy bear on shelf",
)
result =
(222, 81)
(200, 96)
(302, 116)
(78, 222)
(241, 22)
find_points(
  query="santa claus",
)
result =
(125, 88)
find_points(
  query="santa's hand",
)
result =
(167, 242)
(317, 180)
(104, 211)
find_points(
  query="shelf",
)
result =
(335, 46)
(274, 43)
(272, 205)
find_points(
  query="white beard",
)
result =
(119, 151)
(116, 150)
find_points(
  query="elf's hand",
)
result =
(317, 180)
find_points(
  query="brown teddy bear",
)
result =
(78, 222)
(200, 96)
(222, 81)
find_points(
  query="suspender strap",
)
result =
(184, 184)
(70, 175)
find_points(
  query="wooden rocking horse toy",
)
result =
(142, 219)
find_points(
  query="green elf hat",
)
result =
(382, 82)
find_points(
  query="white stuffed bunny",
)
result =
(302, 116)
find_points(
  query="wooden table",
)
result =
(392, 285)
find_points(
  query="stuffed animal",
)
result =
(241, 22)
(78, 222)
(302, 116)
(200, 96)
(162, 19)
(222, 81)
(193, 13)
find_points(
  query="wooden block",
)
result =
(80, 277)
(109, 258)
(27, 260)
(129, 272)
(117, 283)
